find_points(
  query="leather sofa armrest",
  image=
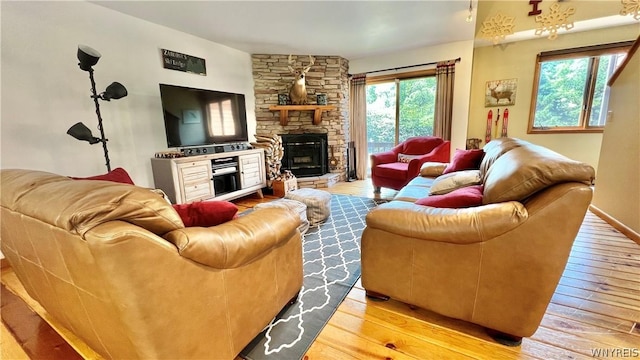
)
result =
(383, 158)
(458, 226)
(236, 242)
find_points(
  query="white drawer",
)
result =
(250, 160)
(247, 168)
(195, 173)
(197, 191)
(251, 179)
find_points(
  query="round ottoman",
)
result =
(318, 203)
(293, 205)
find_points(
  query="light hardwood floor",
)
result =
(596, 307)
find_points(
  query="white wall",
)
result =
(617, 191)
(462, 87)
(44, 92)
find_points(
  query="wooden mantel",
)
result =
(317, 111)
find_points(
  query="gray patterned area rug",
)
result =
(331, 256)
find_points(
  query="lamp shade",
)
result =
(87, 57)
(81, 132)
(114, 91)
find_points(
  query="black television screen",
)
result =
(194, 117)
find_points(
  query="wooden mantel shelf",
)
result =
(317, 111)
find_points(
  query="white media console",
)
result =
(220, 176)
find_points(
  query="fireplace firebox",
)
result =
(305, 154)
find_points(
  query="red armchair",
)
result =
(396, 167)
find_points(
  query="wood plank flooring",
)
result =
(596, 307)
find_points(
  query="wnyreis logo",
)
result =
(615, 353)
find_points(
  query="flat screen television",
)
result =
(197, 117)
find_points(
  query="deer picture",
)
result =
(298, 90)
(503, 93)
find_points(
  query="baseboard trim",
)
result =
(627, 231)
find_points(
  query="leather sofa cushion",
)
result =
(417, 188)
(493, 150)
(526, 169)
(455, 226)
(425, 182)
(83, 204)
(411, 193)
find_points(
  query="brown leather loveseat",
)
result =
(114, 264)
(497, 264)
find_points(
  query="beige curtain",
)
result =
(358, 122)
(445, 76)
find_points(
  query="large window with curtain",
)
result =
(399, 106)
(387, 109)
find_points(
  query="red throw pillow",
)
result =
(118, 175)
(206, 213)
(465, 197)
(465, 160)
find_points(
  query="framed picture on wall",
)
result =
(500, 92)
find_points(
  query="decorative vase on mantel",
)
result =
(283, 99)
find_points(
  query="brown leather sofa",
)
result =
(496, 265)
(115, 265)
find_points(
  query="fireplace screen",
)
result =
(305, 154)
(303, 160)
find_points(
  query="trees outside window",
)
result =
(399, 108)
(381, 116)
(570, 88)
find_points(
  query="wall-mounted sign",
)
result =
(182, 62)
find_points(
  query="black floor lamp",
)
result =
(89, 57)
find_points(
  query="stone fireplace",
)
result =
(329, 75)
(305, 154)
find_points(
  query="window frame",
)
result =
(592, 53)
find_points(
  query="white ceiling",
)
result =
(351, 29)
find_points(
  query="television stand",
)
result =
(217, 176)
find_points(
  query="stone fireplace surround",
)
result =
(305, 154)
(329, 75)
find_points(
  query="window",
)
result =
(570, 91)
(399, 107)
